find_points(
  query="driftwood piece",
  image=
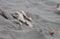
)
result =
(23, 18)
(2, 13)
(5, 14)
(58, 7)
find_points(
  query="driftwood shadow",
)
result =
(58, 12)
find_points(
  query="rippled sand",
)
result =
(41, 11)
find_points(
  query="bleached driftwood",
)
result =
(58, 7)
(23, 18)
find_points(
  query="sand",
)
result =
(42, 12)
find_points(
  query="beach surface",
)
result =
(42, 12)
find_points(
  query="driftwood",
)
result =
(58, 7)
(2, 13)
(5, 14)
(25, 16)
(22, 17)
